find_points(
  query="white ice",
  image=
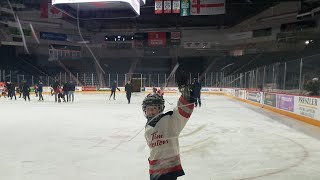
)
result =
(99, 139)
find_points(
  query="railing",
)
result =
(288, 77)
(92, 79)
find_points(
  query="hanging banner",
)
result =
(175, 38)
(176, 35)
(158, 9)
(157, 39)
(208, 7)
(167, 6)
(44, 9)
(197, 45)
(176, 6)
(185, 8)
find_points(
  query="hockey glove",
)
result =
(184, 88)
(181, 77)
(187, 93)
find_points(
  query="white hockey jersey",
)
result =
(162, 137)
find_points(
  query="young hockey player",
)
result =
(61, 95)
(162, 131)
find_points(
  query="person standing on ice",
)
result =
(56, 90)
(196, 87)
(40, 90)
(20, 89)
(26, 91)
(13, 91)
(113, 90)
(66, 90)
(162, 131)
(128, 89)
(72, 87)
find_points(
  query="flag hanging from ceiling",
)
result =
(176, 6)
(44, 9)
(158, 9)
(185, 8)
(167, 6)
(208, 7)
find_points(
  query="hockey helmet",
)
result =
(153, 100)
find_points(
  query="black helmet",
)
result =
(153, 100)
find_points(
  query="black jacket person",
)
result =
(196, 88)
(26, 91)
(128, 89)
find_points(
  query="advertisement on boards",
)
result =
(254, 96)
(307, 106)
(285, 102)
(270, 99)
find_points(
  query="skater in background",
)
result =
(196, 88)
(162, 131)
(20, 89)
(9, 88)
(61, 95)
(1, 91)
(13, 91)
(26, 91)
(113, 90)
(56, 90)
(66, 91)
(51, 90)
(35, 87)
(40, 90)
(157, 91)
(128, 89)
(161, 91)
(4, 91)
(72, 88)
(154, 90)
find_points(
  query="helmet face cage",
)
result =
(153, 100)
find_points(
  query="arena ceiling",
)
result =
(236, 12)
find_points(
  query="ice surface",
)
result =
(99, 139)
